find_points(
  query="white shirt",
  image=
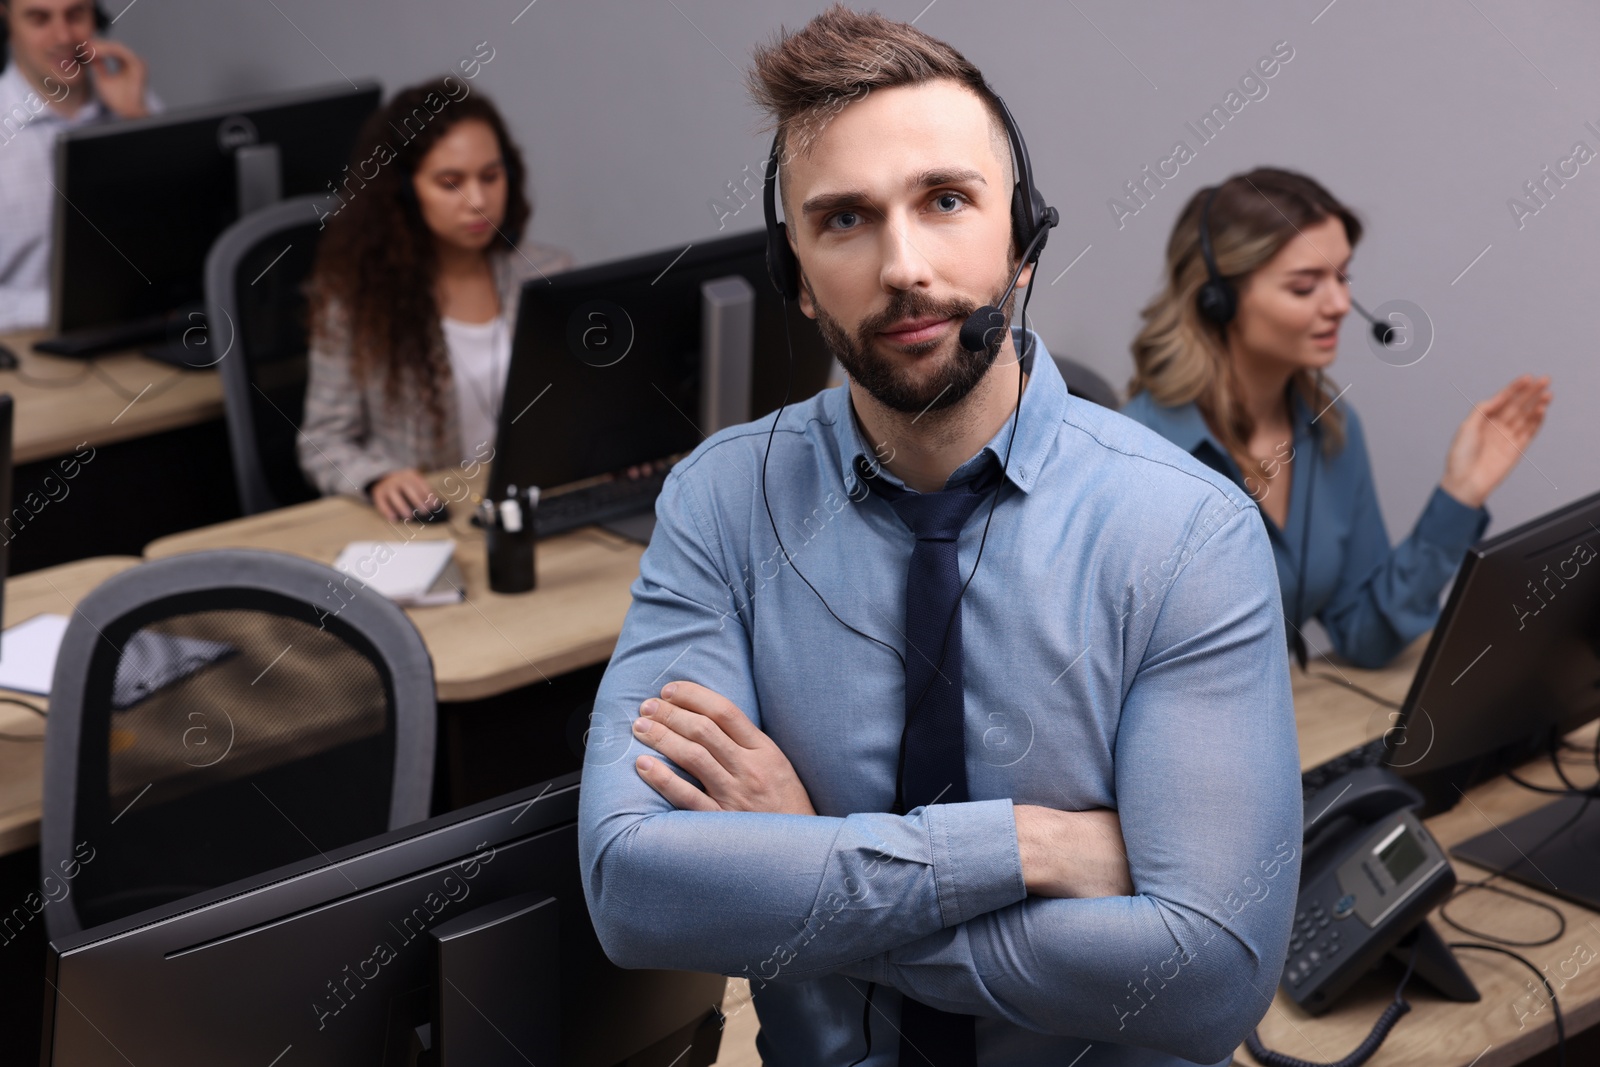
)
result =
(29, 124)
(480, 354)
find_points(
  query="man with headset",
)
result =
(950, 710)
(60, 75)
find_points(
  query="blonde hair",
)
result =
(1181, 357)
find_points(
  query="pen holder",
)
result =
(511, 566)
(508, 537)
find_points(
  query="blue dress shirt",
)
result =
(1373, 599)
(1123, 649)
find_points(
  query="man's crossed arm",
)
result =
(739, 768)
(963, 906)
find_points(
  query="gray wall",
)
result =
(1427, 117)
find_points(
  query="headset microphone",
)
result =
(1386, 333)
(981, 324)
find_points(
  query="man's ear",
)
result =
(1026, 276)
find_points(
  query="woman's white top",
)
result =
(480, 353)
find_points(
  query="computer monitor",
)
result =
(606, 361)
(140, 202)
(360, 955)
(1514, 662)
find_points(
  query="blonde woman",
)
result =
(1229, 366)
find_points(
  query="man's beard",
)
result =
(956, 372)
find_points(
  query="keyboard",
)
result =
(98, 339)
(597, 503)
(1367, 755)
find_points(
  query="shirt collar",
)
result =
(16, 90)
(1185, 427)
(1043, 400)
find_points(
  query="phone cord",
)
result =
(1363, 1052)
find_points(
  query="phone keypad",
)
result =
(1311, 944)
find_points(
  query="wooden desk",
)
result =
(1508, 1024)
(63, 403)
(56, 590)
(490, 643)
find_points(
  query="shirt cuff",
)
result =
(976, 864)
(1450, 524)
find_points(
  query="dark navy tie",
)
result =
(933, 765)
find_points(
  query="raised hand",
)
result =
(1493, 438)
(122, 92)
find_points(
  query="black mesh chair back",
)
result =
(256, 327)
(1085, 383)
(219, 714)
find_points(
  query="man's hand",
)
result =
(1072, 853)
(739, 768)
(123, 92)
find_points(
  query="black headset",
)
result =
(1217, 301)
(1031, 221)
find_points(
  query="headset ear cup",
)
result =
(1022, 219)
(1041, 214)
(782, 265)
(1216, 301)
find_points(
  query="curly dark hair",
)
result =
(372, 285)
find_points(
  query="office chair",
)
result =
(256, 337)
(1085, 383)
(219, 714)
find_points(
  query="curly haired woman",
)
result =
(414, 298)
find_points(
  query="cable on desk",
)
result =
(1348, 684)
(1483, 883)
(36, 709)
(121, 391)
(1364, 1051)
(1561, 1030)
(54, 383)
(31, 707)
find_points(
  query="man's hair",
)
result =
(806, 77)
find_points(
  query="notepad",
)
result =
(28, 654)
(411, 573)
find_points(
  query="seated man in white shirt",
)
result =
(60, 74)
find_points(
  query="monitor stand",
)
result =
(1555, 849)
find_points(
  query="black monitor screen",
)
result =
(141, 201)
(1515, 659)
(605, 369)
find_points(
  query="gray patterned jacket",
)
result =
(350, 435)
